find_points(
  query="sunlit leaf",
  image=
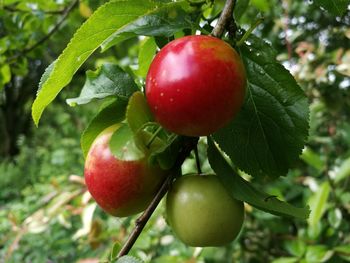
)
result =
(138, 112)
(335, 218)
(123, 146)
(109, 114)
(115, 250)
(296, 247)
(312, 159)
(318, 203)
(343, 172)
(147, 51)
(318, 253)
(102, 24)
(5, 75)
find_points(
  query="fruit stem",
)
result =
(224, 18)
(188, 146)
(249, 31)
(154, 135)
(198, 163)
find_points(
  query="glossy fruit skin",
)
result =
(195, 85)
(121, 188)
(202, 213)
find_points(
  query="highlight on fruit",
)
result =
(196, 85)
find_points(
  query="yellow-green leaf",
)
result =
(108, 19)
(318, 203)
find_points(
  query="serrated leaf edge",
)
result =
(37, 110)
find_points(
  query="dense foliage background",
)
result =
(46, 214)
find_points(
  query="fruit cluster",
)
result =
(195, 86)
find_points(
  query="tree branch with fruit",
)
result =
(197, 85)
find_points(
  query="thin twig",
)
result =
(154, 135)
(225, 17)
(198, 163)
(143, 219)
(46, 37)
(189, 145)
(249, 31)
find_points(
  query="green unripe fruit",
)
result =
(202, 213)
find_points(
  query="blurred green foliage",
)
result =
(46, 214)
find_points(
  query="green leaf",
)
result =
(262, 5)
(108, 80)
(313, 159)
(286, 260)
(46, 75)
(245, 191)
(268, 134)
(336, 7)
(163, 21)
(343, 172)
(318, 253)
(115, 250)
(240, 8)
(3, 44)
(103, 23)
(109, 114)
(296, 247)
(166, 156)
(138, 112)
(147, 134)
(123, 146)
(147, 51)
(343, 249)
(318, 203)
(128, 259)
(168, 259)
(335, 217)
(314, 232)
(5, 75)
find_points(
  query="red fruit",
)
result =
(195, 85)
(120, 187)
